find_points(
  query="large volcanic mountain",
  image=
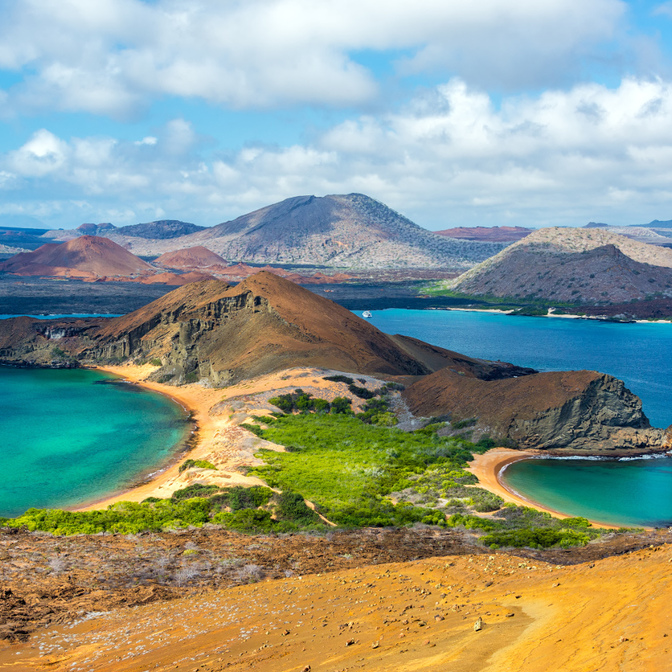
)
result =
(572, 265)
(84, 257)
(348, 231)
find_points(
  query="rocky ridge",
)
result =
(219, 334)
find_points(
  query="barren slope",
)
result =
(607, 615)
(339, 231)
(86, 256)
(572, 265)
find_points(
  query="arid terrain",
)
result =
(211, 601)
(572, 266)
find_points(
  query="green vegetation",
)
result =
(361, 474)
(358, 470)
(350, 468)
(198, 464)
(235, 508)
(156, 362)
(340, 379)
(520, 526)
(528, 305)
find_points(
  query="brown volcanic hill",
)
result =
(264, 324)
(490, 234)
(572, 265)
(83, 257)
(347, 231)
(190, 258)
(210, 330)
(576, 411)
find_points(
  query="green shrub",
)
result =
(156, 362)
(199, 464)
(340, 379)
(361, 392)
(341, 406)
(292, 507)
(255, 429)
(195, 490)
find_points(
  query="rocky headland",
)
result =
(575, 412)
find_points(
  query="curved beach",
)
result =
(488, 468)
(211, 434)
(218, 437)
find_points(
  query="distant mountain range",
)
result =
(572, 265)
(349, 231)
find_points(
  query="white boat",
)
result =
(367, 314)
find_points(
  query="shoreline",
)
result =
(197, 401)
(567, 316)
(217, 437)
(488, 468)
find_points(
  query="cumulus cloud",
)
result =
(450, 157)
(114, 56)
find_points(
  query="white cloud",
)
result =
(114, 56)
(450, 157)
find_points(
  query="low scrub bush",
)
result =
(198, 464)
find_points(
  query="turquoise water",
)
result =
(71, 436)
(636, 492)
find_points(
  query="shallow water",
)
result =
(71, 436)
(629, 493)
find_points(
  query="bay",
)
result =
(72, 436)
(630, 492)
(639, 354)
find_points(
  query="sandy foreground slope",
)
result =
(609, 615)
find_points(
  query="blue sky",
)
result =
(500, 112)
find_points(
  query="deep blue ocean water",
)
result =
(635, 492)
(71, 436)
(639, 354)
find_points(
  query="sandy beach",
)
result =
(219, 439)
(217, 414)
(488, 468)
